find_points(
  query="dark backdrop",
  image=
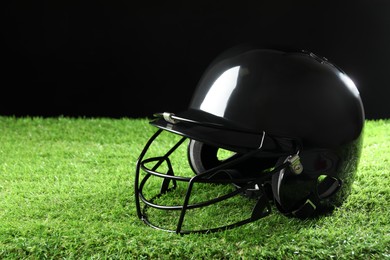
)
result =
(134, 58)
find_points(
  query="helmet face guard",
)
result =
(291, 124)
(223, 174)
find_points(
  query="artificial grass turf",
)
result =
(66, 191)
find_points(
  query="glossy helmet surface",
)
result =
(293, 121)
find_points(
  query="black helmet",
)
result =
(293, 122)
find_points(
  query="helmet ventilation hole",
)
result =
(321, 178)
(327, 186)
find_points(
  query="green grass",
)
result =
(66, 191)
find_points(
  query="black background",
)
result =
(131, 59)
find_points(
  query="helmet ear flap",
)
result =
(302, 195)
(291, 191)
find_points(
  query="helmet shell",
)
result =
(293, 94)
